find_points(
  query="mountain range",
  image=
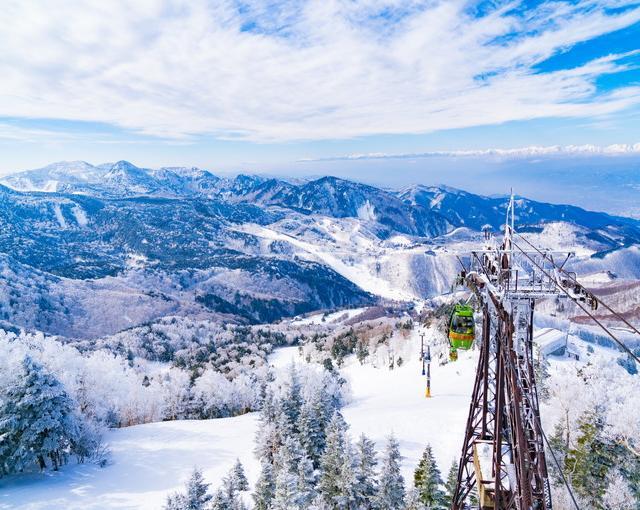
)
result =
(91, 250)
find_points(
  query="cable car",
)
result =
(461, 330)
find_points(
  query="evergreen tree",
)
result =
(272, 433)
(175, 502)
(231, 497)
(311, 425)
(195, 498)
(346, 498)
(391, 483)
(333, 459)
(292, 402)
(364, 473)
(238, 477)
(413, 501)
(451, 484)
(427, 480)
(218, 502)
(197, 495)
(306, 480)
(37, 421)
(265, 487)
(286, 491)
(588, 463)
(295, 476)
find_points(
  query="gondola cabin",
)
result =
(461, 330)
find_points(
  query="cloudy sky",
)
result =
(275, 86)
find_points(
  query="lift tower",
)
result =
(503, 461)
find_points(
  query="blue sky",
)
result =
(260, 86)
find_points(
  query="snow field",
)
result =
(385, 401)
(148, 462)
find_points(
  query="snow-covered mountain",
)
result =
(184, 241)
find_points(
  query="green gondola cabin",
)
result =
(461, 330)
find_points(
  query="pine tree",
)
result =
(588, 463)
(265, 487)
(272, 433)
(238, 477)
(295, 476)
(413, 501)
(195, 498)
(286, 491)
(333, 459)
(175, 502)
(346, 498)
(218, 502)
(37, 420)
(365, 475)
(427, 480)
(558, 442)
(197, 495)
(391, 483)
(292, 402)
(311, 424)
(306, 481)
(451, 484)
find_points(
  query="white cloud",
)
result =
(312, 69)
(620, 149)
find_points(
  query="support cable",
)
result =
(618, 315)
(584, 309)
(555, 460)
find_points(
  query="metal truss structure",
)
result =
(503, 463)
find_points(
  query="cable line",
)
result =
(555, 460)
(618, 315)
(584, 309)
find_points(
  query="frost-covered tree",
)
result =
(346, 498)
(219, 501)
(295, 476)
(391, 490)
(197, 495)
(232, 498)
(175, 502)
(238, 477)
(292, 399)
(413, 501)
(286, 491)
(587, 464)
(333, 459)
(311, 426)
(618, 494)
(427, 480)
(451, 484)
(37, 420)
(265, 487)
(365, 473)
(306, 480)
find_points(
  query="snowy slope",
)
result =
(149, 461)
(393, 401)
